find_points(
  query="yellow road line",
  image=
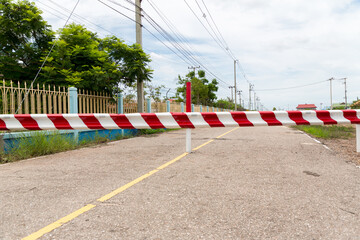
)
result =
(203, 145)
(227, 132)
(172, 161)
(73, 215)
(59, 222)
(126, 186)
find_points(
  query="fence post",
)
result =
(73, 107)
(182, 106)
(167, 106)
(148, 109)
(200, 108)
(213, 109)
(207, 108)
(192, 107)
(357, 137)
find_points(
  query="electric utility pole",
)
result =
(194, 69)
(345, 93)
(254, 101)
(235, 83)
(331, 79)
(140, 82)
(250, 88)
(231, 87)
(239, 92)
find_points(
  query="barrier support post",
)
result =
(189, 108)
(357, 137)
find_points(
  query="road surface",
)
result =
(239, 183)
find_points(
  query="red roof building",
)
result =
(306, 107)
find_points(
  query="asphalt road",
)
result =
(251, 183)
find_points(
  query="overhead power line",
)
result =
(299, 86)
(186, 55)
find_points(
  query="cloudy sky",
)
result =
(279, 44)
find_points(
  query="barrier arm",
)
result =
(11, 122)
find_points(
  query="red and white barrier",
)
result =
(176, 120)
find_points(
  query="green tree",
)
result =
(82, 59)
(202, 90)
(154, 91)
(24, 38)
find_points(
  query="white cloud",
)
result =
(279, 43)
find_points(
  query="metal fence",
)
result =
(24, 98)
(44, 99)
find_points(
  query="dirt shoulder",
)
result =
(344, 147)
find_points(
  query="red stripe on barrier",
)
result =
(59, 121)
(351, 115)
(90, 121)
(297, 117)
(152, 120)
(122, 121)
(27, 121)
(183, 120)
(241, 119)
(212, 119)
(3, 125)
(324, 116)
(270, 118)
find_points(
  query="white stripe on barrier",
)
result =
(227, 119)
(338, 116)
(106, 121)
(43, 121)
(137, 121)
(11, 122)
(311, 117)
(167, 120)
(255, 118)
(75, 121)
(197, 119)
(283, 117)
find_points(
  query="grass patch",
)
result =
(42, 143)
(328, 132)
(39, 144)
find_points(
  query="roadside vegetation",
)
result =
(328, 132)
(40, 144)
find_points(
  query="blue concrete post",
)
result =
(167, 105)
(73, 107)
(120, 110)
(148, 110)
(207, 108)
(213, 109)
(73, 100)
(182, 107)
(200, 108)
(120, 103)
(192, 107)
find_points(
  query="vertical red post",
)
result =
(188, 96)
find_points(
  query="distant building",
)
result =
(306, 107)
